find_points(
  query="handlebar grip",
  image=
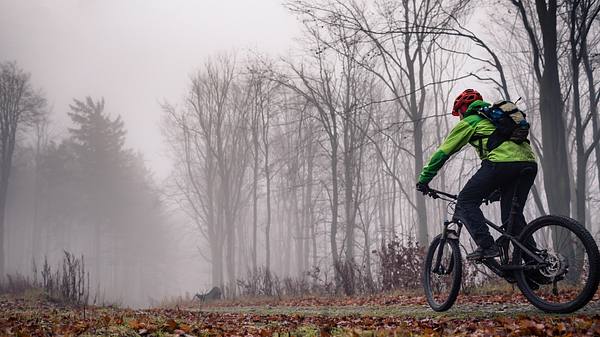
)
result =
(438, 194)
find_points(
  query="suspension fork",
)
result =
(447, 234)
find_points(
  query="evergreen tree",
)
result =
(99, 148)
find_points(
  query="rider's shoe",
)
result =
(484, 253)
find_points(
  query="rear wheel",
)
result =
(442, 282)
(568, 278)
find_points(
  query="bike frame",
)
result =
(501, 269)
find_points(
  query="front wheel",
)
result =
(442, 280)
(568, 277)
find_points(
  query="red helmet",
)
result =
(464, 99)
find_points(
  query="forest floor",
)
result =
(504, 314)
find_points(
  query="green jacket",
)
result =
(475, 129)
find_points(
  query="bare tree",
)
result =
(263, 92)
(211, 143)
(543, 41)
(589, 58)
(317, 90)
(19, 105)
(41, 143)
(580, 16)
(398, 35)
(255, 127)
(337, 87)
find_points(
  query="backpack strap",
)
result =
(479, 140)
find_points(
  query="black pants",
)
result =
(492, 176)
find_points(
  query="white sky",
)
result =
(134, 53)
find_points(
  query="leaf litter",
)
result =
(39, 317)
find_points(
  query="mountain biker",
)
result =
(500, 170)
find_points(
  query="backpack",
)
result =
(510, 122)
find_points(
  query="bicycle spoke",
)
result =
(562, 280)
(442, 274)
(442, 279)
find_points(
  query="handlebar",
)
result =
(435, 194)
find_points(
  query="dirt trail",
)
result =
(475, 310)
(503, 315)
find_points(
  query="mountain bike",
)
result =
(554, 260)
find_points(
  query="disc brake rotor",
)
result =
(556, 266)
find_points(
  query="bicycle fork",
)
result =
(447, 234)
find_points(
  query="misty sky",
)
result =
(134, 53)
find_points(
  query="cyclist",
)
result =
(500, 170)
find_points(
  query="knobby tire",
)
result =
(455, 265)
(591, 249)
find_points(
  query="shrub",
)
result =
(259, 282)
(401, 265)
(400, 269)
(69, 283)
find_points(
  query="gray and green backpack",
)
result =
(510, 122)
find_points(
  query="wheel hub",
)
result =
(556, 265)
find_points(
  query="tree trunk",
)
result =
(35, 226)
(396, 197)
(555, 159)
(313, 235)
(97, 252)
(254, 198)
(381, 203)
(308, 208)
(296, 226)
(367, 258)
(228, 223)
(334, 203)
(230, 251)
(300, 237)
(217, 263)
(268, 223)
(214, 222)
(423, 236)
(580, 177)
(589, 72)
(348, 193)
(3, 192)
(8, 148)
(306, 247)
(286, 237)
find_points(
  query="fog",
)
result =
(135, 54)
(268, 148)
